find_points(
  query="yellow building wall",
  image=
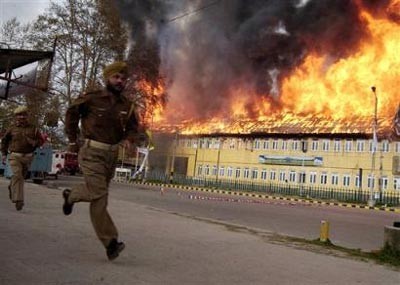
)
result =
(244, 153)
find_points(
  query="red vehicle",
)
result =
(64, 163)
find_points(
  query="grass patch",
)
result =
(387, 255)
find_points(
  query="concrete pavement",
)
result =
(39, 245)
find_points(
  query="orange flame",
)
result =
(320, 96)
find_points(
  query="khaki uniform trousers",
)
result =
(19, 164)
(98, 168)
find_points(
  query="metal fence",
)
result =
(387, 198)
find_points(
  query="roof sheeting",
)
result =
(13, 58)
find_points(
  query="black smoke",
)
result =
(229, 44)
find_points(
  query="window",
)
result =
(346, 180)
(272, 175)
(348, 145)
(257, 144)
(335, 179)
(246, 173)
(292, 176)
(266, 144)
(371, 182)
(357, 181)
(313, 177)
(325, 145)
(207, 170)
(396, 183)
(397, 147)
(302, 177)
(217, 144)
(360, 145)
(232, 144)
(284, 145)
(222, 171)
(385, 146)
(324, 178)
(282, 175)
(202, 143)
(200, 170)
(229, 172)
(295, 145)
(254, 173)
(275, 144)
(214, 170)
(384, 183)
(337, 145)
(371, 145)
(314, 145)
(264, 174)
(237, 173)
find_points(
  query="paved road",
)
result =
(41, 246)
(349, 227)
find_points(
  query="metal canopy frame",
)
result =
(11, 59)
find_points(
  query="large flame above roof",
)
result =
(319, 95)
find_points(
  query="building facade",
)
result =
(335, 161)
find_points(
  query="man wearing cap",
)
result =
(19, 141)
(107, 121)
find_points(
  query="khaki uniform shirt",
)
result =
(103, 116)
(22, 139)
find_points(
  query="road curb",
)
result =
(263, 196)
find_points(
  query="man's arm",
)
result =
(72, 118)
(5, 142)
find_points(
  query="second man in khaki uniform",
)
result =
(19, 142)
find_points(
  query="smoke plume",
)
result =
(208, 50)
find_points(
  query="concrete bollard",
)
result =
(324, 231)
(392, 236)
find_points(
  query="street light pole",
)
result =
(371, 201)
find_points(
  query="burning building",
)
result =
(293, 91)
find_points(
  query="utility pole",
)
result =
(371, 201)
(175, 145)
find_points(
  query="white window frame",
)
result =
(360, 145)
(314, 145)
(246, 173)
(254, 173)
(325, 145)
(337, 145)
(282, 175)
(292, 176)
(264, 174)
(275, 145)
(335, 179)
(346, 180)
(222, 171)
(348, 146)
(229, 171)
(272, 175)
(323, 178)
(313, 177)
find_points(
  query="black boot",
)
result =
(67, 207)
(114, 248)
(19, 205)
(9, 192)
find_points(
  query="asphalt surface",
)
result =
(39, 245)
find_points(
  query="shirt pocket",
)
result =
(99, 112)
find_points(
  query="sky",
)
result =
(23, 10)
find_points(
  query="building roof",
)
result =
(14, 58)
